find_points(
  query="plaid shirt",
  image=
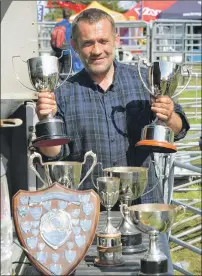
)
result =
(109, 123)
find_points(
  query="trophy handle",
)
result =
(144, 61)
(124, 209)
(31, 159)
(94, 156)
(92, 175)
(17, 75)
(188, 81)
(70, 67)
(158, 182)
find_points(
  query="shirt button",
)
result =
(112, 140)
(114, 163)
(109, 115)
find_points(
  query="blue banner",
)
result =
(40, 10)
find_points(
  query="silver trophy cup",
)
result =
(44, 76)
(109, 245)
(163, 79)
(153, 219)
(63, 172)
(133, 181)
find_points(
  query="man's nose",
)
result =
(96, 50)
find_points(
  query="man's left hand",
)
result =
(163, 107)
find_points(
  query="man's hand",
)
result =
(163, 107)
(46, 104)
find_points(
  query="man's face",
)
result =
(96, 44)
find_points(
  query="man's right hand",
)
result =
(46, 104)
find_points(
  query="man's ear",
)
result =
(117, 40)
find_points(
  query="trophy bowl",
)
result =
(163, 79)
(153, 219)
(66, 173)
(133, 181)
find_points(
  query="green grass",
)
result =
(193, 259)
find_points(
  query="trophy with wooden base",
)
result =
(164, 79)
(56, 226)
(109, 245)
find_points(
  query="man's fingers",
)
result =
(162, 116)
(162, 111)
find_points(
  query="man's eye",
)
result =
(86, 44)
(104, 42)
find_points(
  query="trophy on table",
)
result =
(133, 181)
(152, 219)
(66, 173)
(109, 239)
(164, 79)
(44, 76)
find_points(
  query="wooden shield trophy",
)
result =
(56, 226)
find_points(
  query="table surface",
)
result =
(86, 266)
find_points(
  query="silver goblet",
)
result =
(109, 239)
(133, 181)
(153, 219)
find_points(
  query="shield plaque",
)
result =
(56, 225)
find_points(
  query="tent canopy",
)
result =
(115, 15)
(182, 10)
(150, 9)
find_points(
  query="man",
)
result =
(105, 106)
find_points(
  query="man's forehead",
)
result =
(94, 24)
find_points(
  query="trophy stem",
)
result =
(109, 227)
(153, 244)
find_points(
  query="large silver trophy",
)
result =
(109, 239)
(133, 181)
(66, 173)
(164, 79)
(153, 219)
(44, 76)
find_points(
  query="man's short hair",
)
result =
(91, 16)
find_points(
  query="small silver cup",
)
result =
(109, 245)
(153, 219)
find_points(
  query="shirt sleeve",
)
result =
(185, 124)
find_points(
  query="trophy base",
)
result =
(50, 132)
(101, 263)
(159, 267)
(156, 146)
(132, 244)
(109, 250)
(49, 141)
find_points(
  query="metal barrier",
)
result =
(177, 41)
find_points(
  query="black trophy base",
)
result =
(132, 244)
(50, 132)
(154, 268)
